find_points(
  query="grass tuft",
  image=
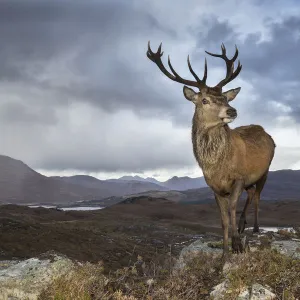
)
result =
(140, 281)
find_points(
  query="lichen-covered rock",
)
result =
(194, 249)
(219, 290)
(26, 279)
(255, 292)
(259, 292)
(288, 247)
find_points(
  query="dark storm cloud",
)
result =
(36, 32)
(272, 66)
(277, 57)
(55, 55)
(216, 32)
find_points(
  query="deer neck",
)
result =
(211, 146)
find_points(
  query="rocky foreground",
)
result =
(135, 250)
(269, 270)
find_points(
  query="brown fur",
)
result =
(226, 155)
(231, 159)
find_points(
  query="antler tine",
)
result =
(205, 71)
(156, 58)
(235, 54)
(230, 73)
(203, 81)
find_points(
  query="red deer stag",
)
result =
(231, 159)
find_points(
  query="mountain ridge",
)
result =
(20, 184)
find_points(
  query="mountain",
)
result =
(184, 183)
(112, 187)
(153, 180)
(194, 196)
(281, 185)
(174, 183)
(21, 184)
(132, 178)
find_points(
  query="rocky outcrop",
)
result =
(26, 279)
(193, 250)
(274, 240)
(288, 247)
(255, 292)
(213, 244)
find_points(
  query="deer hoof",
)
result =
(237, 245)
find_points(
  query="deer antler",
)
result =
(156, 58)
(230, 73)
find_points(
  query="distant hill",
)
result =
(145, 200)
(184, 183)
(112, 187)
(193, 196)
(21, 184)
(281, 185)
(174, 183)
(133, 178)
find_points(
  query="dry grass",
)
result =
(287, 233)
(267, 267)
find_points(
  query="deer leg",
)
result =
(242, 221)
(234, 197)
(259, 187)
(223, 206)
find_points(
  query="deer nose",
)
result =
(231, 112)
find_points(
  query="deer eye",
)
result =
(205, 101)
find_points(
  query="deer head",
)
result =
(211, 104)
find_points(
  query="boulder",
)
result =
(193, 250)
(259, 292)
(288, 247)
(255, 292)
(26, 279)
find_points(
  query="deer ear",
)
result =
(231, 94)
(189, 93)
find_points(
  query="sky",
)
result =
(79, 96)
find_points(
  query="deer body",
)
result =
(226, 155)
(232, 160)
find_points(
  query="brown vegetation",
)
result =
(202, 273)
(118, 233)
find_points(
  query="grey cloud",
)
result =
(270, 66)
(277, 56)
(134, 160)
(93, 53)
(21, 113)
(38, 32)
(211, 33)
(273, 66)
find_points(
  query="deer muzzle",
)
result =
(231, 112)
(228, 114)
